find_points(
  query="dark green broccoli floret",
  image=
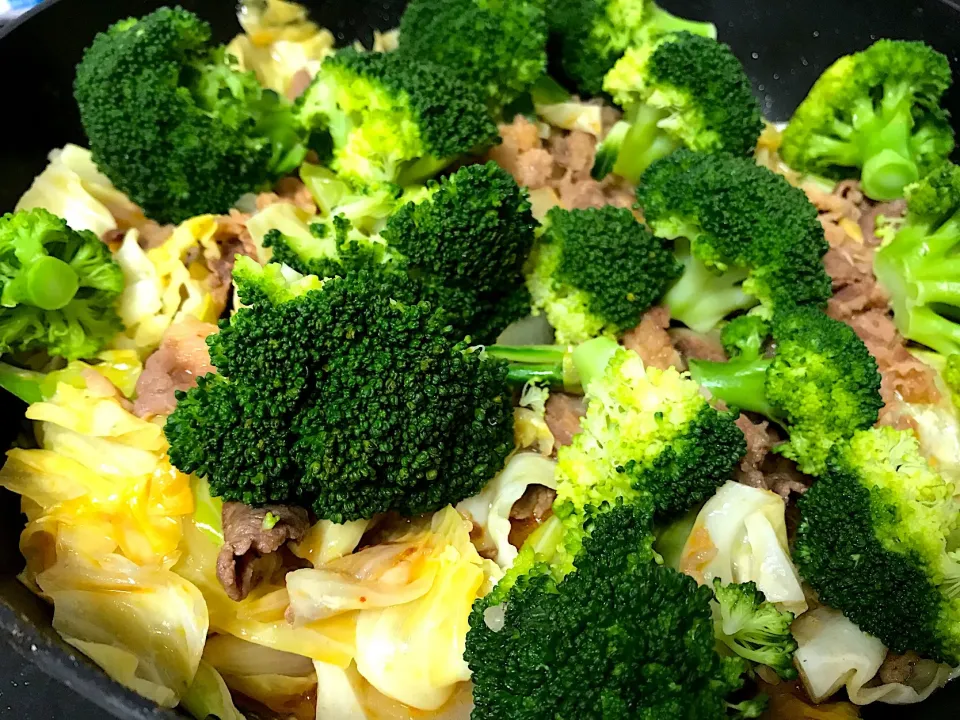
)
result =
(678, 90)
(499, 46)
(875, 114)
(745, 336)
(344, 397)
(744, 234)
(393, 118)
(646, 431)
(595, 272)
(174, 124)
(622, 637)
(919, 267)
(873, 543)
(821, 383)
(58, 287)
(594, 34)
(753, 627)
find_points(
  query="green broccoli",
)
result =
(367, 208)
(464, 240)
(622, 637)
(753, 628)
(174, 124)
(595, 272)
(919, 268)
(393, 119)
(875, 114)
(344, 396)
(678, 90)
(58, 287)
(872, 543)
(951, 376)
(646, 431)
(593, 34)
(744, 234)
(821, 382)
(499, 46)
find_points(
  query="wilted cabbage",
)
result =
(327, 541)
(209, 696)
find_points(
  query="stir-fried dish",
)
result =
(511, 368)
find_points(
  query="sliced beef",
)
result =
(299, 83)
(898, 669)
(697, 346)
(651, 341)
(759, 441)
(248, 543)
(182, 357)
(563, 413)
(290, 190)
(529, 512)
(232, 239)
(868, 221)
(782, 476)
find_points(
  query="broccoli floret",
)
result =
(174, 124)
(595, 272)
(342, 396)
(744, 336)
(821, 383)
(58, 287)
(646, 431)
(872, 543)
(394, 119)
(594, 34)
(875, 114)
(622, 637)
(919, 268)
(678, 90)
(499, 46)
(753, 628)
(744, 234)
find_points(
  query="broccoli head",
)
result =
(344, 396)
(821, 382)
(919, 267)
(622, 637)
(753, 628)
(875, 114)
(677, 91)
(174, 124)
(873, 543)
(499, 46)
(744, 234)
(393, 119)
(646, 431)
(595, 272)
(58, 287)
(594, 34)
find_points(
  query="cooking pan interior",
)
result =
(784, 45)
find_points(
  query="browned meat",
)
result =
(759, 441)
(529, 512)
(182, 357)
(782, 477)
(102, 386)
(291, 190)
(247, 543)
(562, 163)
(868, 222)
(651, 341)
(898, 668)
(233, 239)
(697, 346)
(299, 83)
(563, 413)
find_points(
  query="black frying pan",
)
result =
(784, 44)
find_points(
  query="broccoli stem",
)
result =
(644, 143)
(556, 366)
(660, 21)
(738, 383)
(25, 384)
(45, 282)
(888, 162)
(701, 298)
(927, 327)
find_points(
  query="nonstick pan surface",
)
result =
(784, 45)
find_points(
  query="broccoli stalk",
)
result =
(560, 367)
(821, 382)
(753, 628)
(595, 272)
(678, 90)
(875, 113)
(744, 235)
(919, 268)
(58, 287)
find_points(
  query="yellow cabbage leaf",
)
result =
(209, 696)
(164, 285)
(327, 541)
(72, 187)
(99, 483)
(145, 626)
